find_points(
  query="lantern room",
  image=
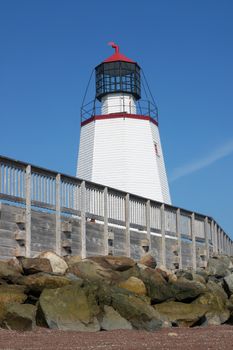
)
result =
(118, 74)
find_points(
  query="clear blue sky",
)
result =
(49, 47)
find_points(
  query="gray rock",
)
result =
(113, 320)
(35, 265)
(57, 263)
(116, 263)
(10, 294)
(68, 308)
(181, 314)
(8, 271)
(183, 289)
(228, 280)
(37, 282)
(20, 317)
(219, 266)
(136, 310)
(156, 285)
(149, 261)
(91, 270)
(217, 302)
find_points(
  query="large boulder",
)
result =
(184, 289)
(20, 317)
(181, 314)
(58, 264)
(8, 271)
(91, 270)
(72, 259)
(35, 265)
(219, 266)
(136, 310)
(68, 308)
(113, 320)
(15, 264)
(156, 284)
(148, 260)
(228, 283)
(37, 282)
(116, 263)
(134, 285)
(10, 294)
(217, 302)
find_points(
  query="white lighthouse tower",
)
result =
(120, 145)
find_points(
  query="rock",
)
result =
(10, 294)
(216, 300)
(37, 282)
(156, 284)
(90, 270)
(113, 320)
(15, 263)
(72, 259)
(20, 317)
(57, 263)
(181, 314)
(149, 261)
(184, 289)
(228, 284)
(68, 308)
(35, 265)
(229, 304)
(202, 273)
(198, 276)
(134, 285)
(132, 272)
(184, 273)
(219, 266)
(8, 271)
(166, 273)
(116, 263)
(135, 309)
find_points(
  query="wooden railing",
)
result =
(38, 188)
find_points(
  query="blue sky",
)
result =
(49, 47)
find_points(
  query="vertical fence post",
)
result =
(193, 234)
(213, 236)
(219, 240)
(178, 234)
(127, 225)
(148, 223)
(224, 242)
(206, 238)
(216, 237)
(28, 215)
(83, 220)
(163, 238)
(58, 214)
(105, 220)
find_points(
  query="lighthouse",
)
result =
(119, 142)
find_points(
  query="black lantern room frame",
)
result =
(118, 77)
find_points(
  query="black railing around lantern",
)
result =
(142, 107)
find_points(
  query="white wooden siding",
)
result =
(121, 154)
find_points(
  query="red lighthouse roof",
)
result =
(117, 56)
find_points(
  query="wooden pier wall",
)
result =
(43, 210)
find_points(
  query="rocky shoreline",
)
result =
(111, 293)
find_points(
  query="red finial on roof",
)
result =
(114, 46)
(117, 56)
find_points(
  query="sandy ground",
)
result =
(211, 338)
